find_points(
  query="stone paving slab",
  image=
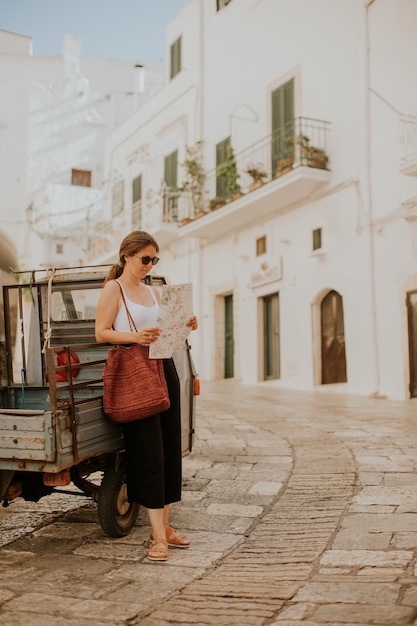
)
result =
(301, 509)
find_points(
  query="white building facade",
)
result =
(301, 241)
(55, 113)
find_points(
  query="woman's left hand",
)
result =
(193, 322)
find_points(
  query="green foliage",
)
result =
(194, 175)
(257, 172)
(228, 171)
(215, 202)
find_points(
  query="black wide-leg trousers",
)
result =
(153, 451)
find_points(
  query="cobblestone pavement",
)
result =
(301, 508)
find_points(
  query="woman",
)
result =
(152, 445)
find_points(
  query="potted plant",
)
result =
(284, 165)
(314, 157)
(228, 172)
(257, 173)
(318, 158)
(216, 202)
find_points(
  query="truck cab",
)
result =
(53, 430)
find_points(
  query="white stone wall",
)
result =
(353, 66)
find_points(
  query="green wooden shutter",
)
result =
(171, 180)
(282, 123)
(137, 189)
(221, 154)
(175, 66)
(171, 170)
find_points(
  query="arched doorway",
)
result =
(411, 301)
(333, 355)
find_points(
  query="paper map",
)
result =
(175, 310)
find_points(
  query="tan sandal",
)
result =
(175, 540)
(158, 550)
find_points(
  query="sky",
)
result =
(110, 29)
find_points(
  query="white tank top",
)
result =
(143, 316)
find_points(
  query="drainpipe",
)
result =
(370, 216)
(198, 249)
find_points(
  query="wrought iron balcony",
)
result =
(280, 170)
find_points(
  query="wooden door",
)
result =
(271, 347)
(229, 341)
(333, 356)
(412, 340)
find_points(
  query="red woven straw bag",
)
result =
(134, 385)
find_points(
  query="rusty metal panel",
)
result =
(95, 433)
(27, 435)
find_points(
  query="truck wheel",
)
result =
(116, 515)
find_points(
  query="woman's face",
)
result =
(142, 262)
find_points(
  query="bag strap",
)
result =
(131, 321)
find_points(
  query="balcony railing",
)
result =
(408, 129)
(178, 205)
(301, 142)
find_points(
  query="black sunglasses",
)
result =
(147, 259)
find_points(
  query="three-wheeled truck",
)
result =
(53, 431)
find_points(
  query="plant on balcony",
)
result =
(216, 202)
(284, 165)
(228, 172)
(194, 177)
(318, 158)
(314, 157)
(257, 173)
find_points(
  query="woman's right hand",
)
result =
(148, 335)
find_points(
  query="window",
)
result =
(221, 154)
(171, 181)
(271, 337)
(171, 169)
(74, 304)
(282, 125)
(59, 248)
(222, 3)
(137, 202)
(317, 241)
(175, 58)
(261, 246)
(117, 198)
(81, 178)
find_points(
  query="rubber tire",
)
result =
(116, 515)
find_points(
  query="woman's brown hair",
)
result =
(131, 245)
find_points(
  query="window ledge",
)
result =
(319, 253)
